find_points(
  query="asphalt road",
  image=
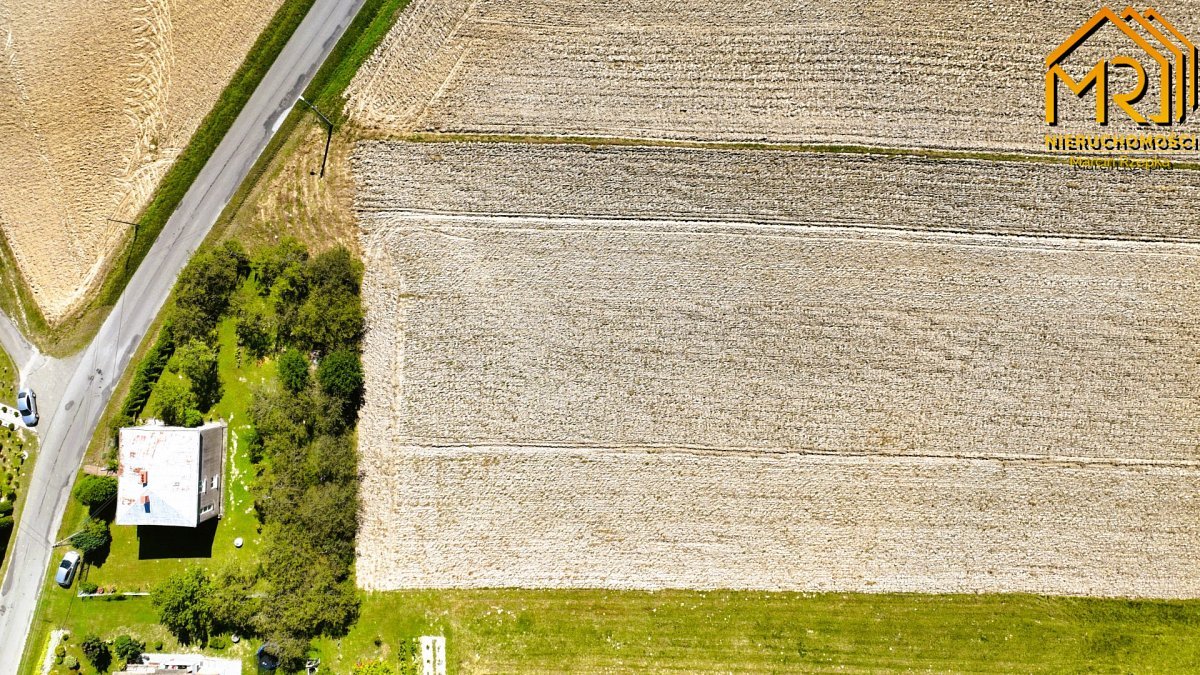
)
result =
(69, 427)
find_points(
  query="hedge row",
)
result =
(148, 372)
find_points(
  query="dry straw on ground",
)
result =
(953, 75)
(96, 101)
(595, 369)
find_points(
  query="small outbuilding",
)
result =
(170, 476)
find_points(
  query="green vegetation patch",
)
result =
(745, 631)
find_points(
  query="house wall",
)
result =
(212, 465)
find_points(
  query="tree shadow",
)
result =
(157, 541)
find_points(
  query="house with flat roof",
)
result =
(176, 664)
(170, 475)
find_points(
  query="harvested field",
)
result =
(97, 100)
(900, 192)
(628, 384)
(486, 517)
(959, 75)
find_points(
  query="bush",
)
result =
(219, 642)
(94, 537)
(177, 405)
(198, 361)
(96, 651)
(6, 508)
(88, 587)
(95, 492)
(158, 645)
(60, 651)
(341, 377)
(6, 525)
(71, 663)
(128, 648)
(293, 370)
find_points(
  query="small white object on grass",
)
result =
(238, 542)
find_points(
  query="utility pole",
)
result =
(328, 135)
(133, 241)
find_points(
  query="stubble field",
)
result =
(954, 75)
(96, 101)
(574, 384)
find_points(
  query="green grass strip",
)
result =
(365, 33)
(209, 134)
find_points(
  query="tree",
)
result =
(128, 648)
(96, 651)
(270, 262)
(334, 270)
(95, 492)
(340, 376)
(293, 370)
(94, 537)
(198, 361)
(177, 404)
(255, 330)
(329, 319)
(233, 602)
(203, 291)
(184, 607)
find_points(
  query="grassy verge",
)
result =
(21, 470)
(740, 631)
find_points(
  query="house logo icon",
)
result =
(1161, 52)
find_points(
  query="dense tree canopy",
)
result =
(341, 377)
(96, 651)
(203, 291)
(127, 648)
(198, 362)
(177, 405)
(184, 605)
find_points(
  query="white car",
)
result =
(66, 569)
(27, 406)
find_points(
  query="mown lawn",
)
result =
(731, 631)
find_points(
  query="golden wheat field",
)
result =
(592, 368)
(96, 101)
(942, 75)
